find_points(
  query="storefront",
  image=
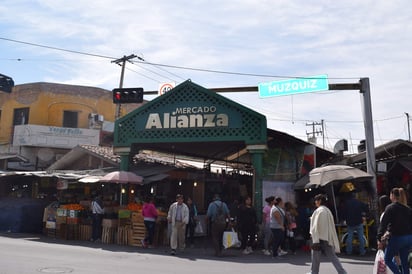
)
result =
(193, 121)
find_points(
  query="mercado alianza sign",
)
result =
(294, 86)
(189, 117)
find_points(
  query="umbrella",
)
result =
(322, 176)
(122, 177)
(325, 175)
(90, 179)
(301, 183)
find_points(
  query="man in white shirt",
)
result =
(324, 237)
(178, 218)
(97, 209)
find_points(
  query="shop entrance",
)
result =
(192, 121)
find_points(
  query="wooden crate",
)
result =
(72, 231)
(137, 234)
(109, 235)
(123, 235)
(85, 232)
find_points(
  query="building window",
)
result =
(21, 116)
(70, 119)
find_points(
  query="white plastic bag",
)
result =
(198, 228)
(380, 267)
(230, 239)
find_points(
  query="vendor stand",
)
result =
(336, 181)
(121, 225)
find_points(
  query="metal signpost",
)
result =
(320, 83)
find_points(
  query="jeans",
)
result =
(398, 245)
(267, 236)
(190, 232)
(359, 230)
(97, 226)
(150, 227)
(278, 238)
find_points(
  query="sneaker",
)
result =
(173, 252)
(267, 253)
(143, 243)
(246, 251)
(282, 252)
(249, 248)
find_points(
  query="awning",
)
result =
(155, 178)
(12, 157)
(406, 164)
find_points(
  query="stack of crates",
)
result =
(138, 231)
(124, 226)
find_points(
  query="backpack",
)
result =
(220, 217)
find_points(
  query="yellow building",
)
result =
(43, 121)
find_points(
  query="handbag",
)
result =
(230, 239)
(379, 266)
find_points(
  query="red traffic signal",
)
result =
(127, 95)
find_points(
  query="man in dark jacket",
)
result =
(355, 212)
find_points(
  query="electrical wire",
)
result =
(160, 66)
(142, 61)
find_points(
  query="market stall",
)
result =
(121, 225)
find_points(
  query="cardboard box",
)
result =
(61, 212)
(60, 220)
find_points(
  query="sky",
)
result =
(219, 44)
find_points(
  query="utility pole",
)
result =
(315, 131)
(409, 127)
(122, 62)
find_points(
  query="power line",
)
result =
(142, 61)
(56, 48)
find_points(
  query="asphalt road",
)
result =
(26, 254)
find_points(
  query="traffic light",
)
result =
(6, 83)
(127, 95)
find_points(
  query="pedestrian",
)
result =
(291, 214)
(190, 228)
(217, 216)
(396, 223)
(354, 214)
(178, 218)
(267, 233)
(383, 202)
(97, 209)
(247, 221)
(277, 226)
(149, 213)
(324, 236)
